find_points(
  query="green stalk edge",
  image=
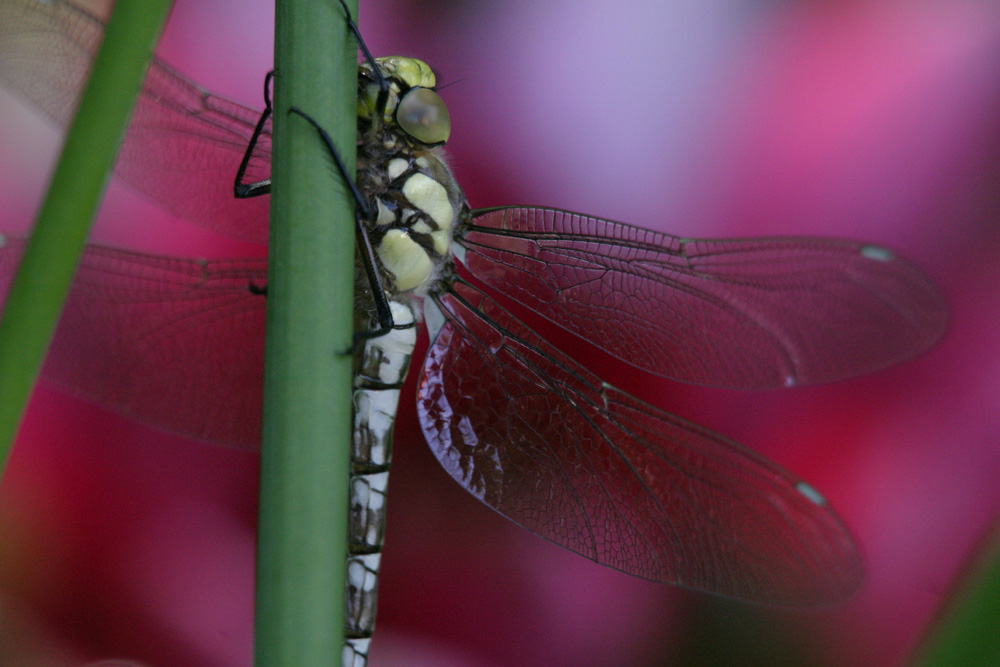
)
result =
(308, 368)
(36, 298)
(967, 630)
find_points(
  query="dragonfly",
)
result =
(528, 430)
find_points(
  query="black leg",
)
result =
(363, 208)
(246, 190)
(363, 212)
(383, 85)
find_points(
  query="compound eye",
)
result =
(423, 115)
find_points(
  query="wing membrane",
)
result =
(544, 442)
(174, 343)
(753, 313)
(184, 144)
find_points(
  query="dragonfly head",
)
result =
(410, 104)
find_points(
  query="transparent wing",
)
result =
(751, 313)
(184, 144)
(538, 438)
(175, 343)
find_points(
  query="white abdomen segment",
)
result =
(382, 369)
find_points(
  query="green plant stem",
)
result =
(967, 633)
(43, 281)
(307, 394)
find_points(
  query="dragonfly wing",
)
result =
(184, 144)
(745, 313)
(175, 343)
(549, 445)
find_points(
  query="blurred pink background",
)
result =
(877, 120)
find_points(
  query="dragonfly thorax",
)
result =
(414, 197)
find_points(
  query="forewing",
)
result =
(175, 343)
(544, 442)
(184, 144)
(745, 313)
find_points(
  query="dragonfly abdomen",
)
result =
(382, 368)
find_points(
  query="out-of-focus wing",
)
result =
(174, 343)
(184, 144)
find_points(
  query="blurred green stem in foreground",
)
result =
(967, 630)
(36, 298)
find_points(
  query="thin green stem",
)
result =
(43, 281)
(307, 395)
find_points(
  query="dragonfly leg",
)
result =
(366, 251)
(363, 207)
(383, 85)
(246, 190)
